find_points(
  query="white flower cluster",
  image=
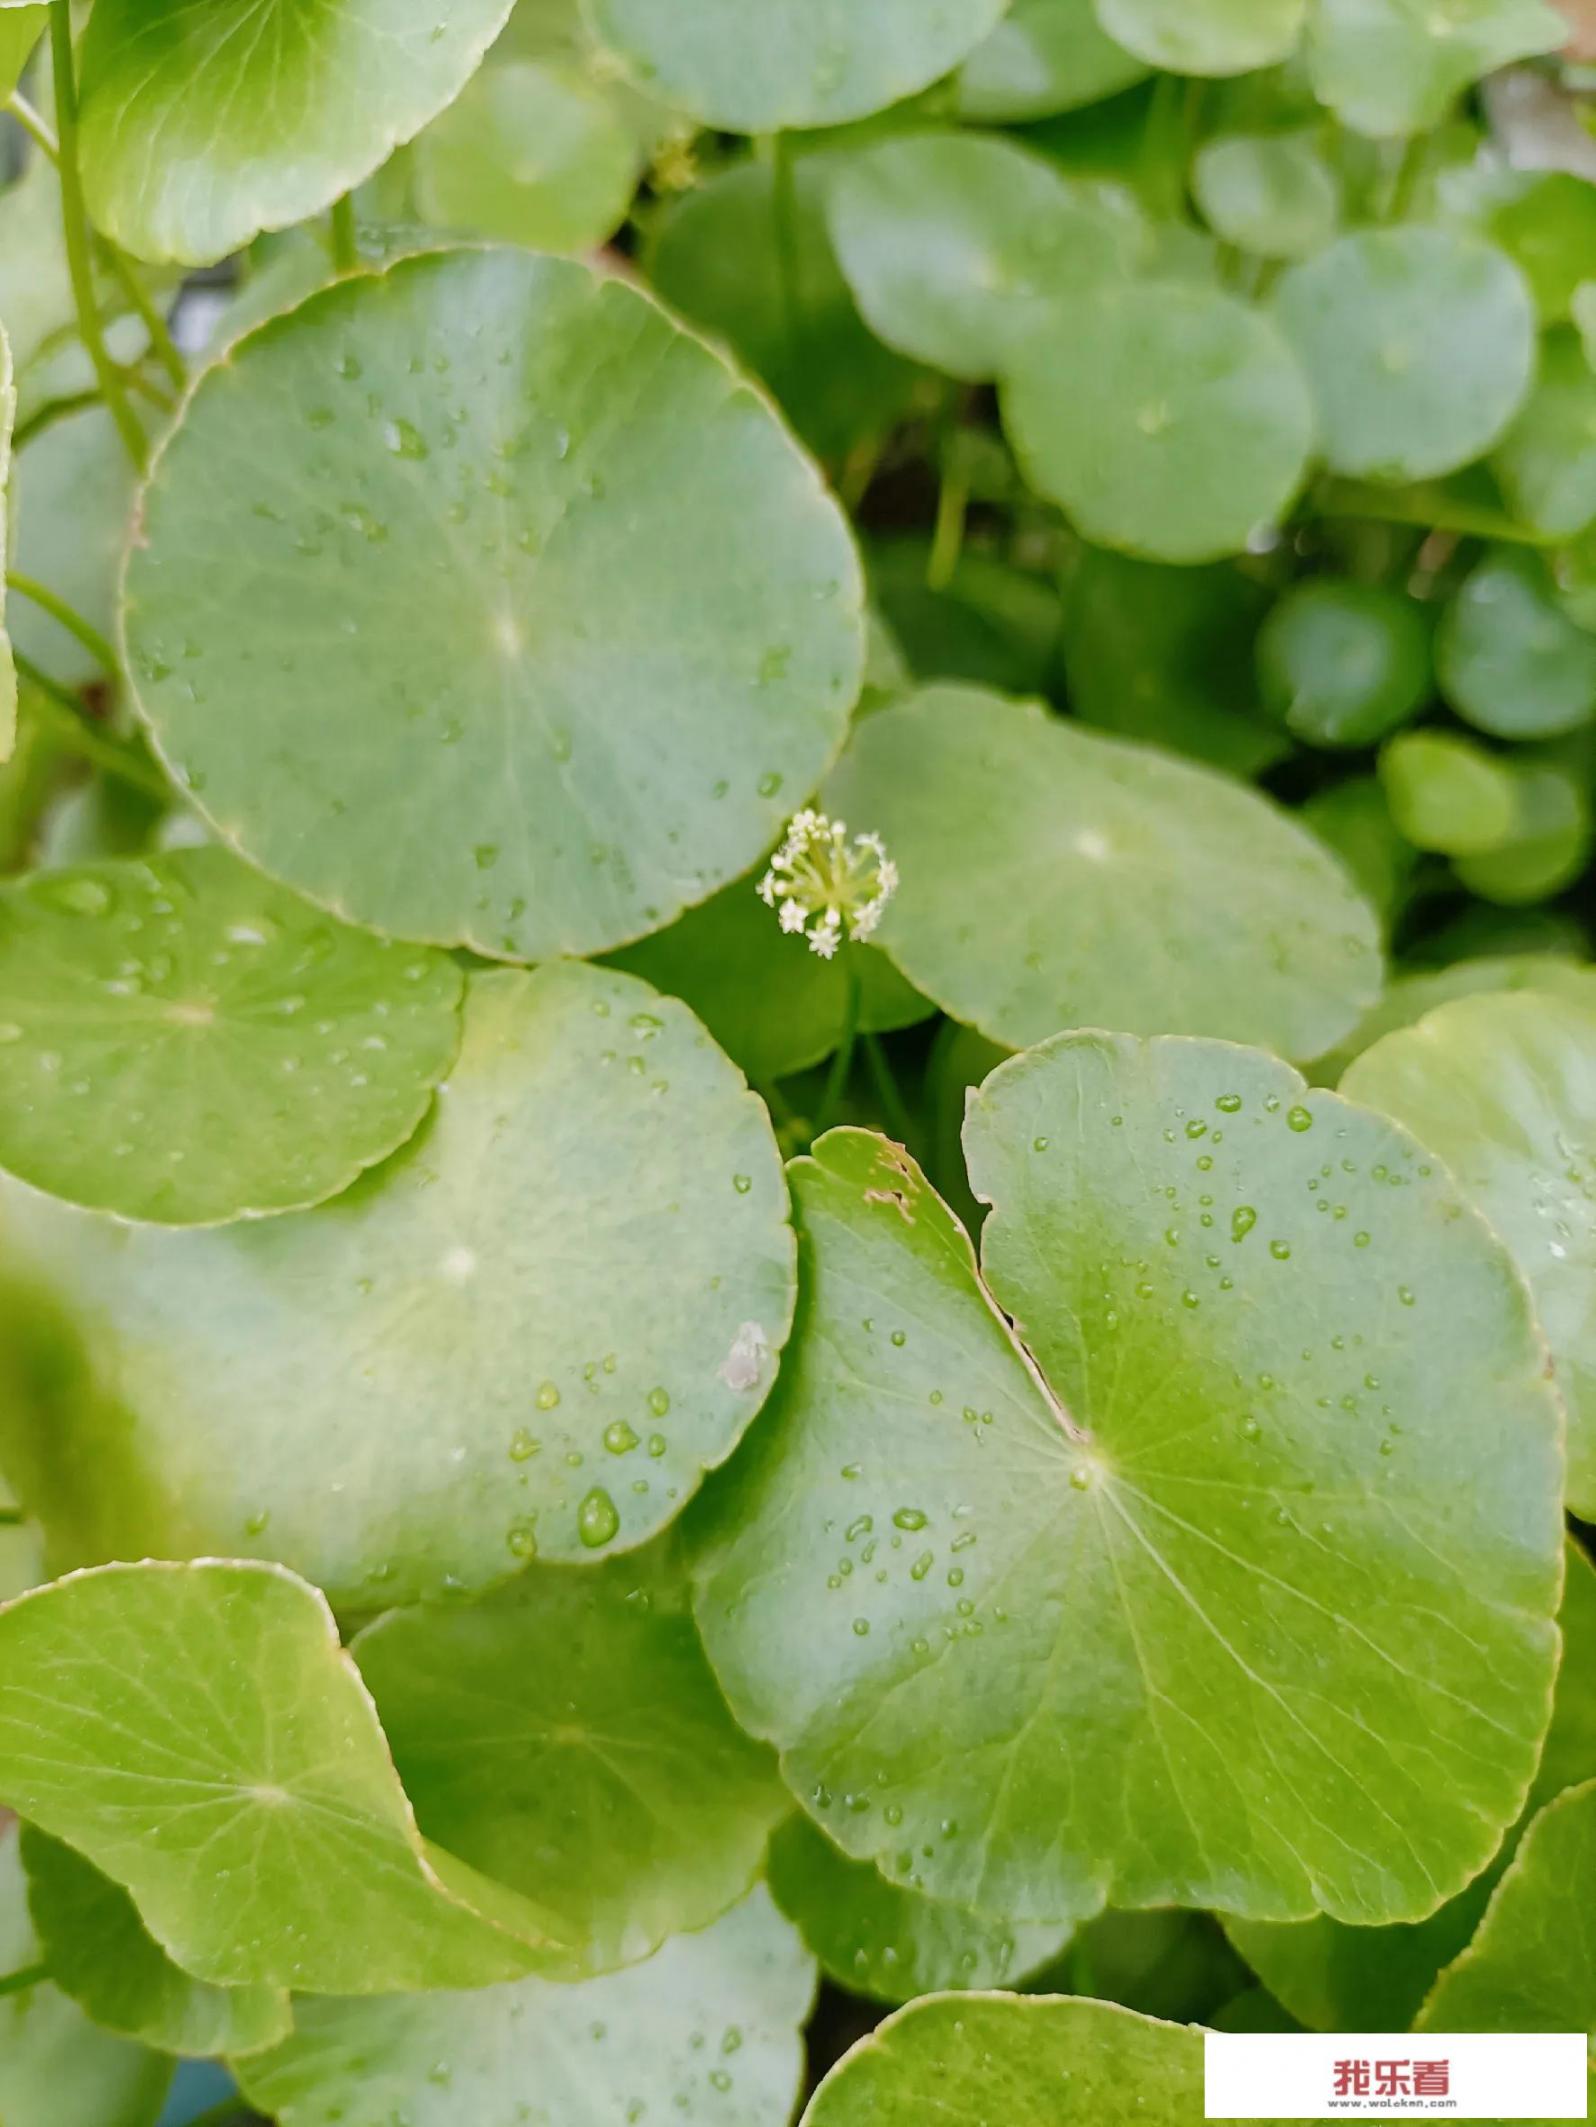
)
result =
(824, 885)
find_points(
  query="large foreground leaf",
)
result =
(1052, 878)
(708, 2028)
(1338, 1978)
(568, 1738)
(1503, 1088)
(450, 1367)
(1232, 1584)
(1038, 2061)
(197, 1732)
(56, 2069)
(181, 1041)
(204, 125)
(768, 66)
(418, 608)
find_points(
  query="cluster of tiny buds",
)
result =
(826, 887)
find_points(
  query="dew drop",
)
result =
(596, 1519)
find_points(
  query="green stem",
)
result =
(1403, 179)
(75, 224)
(1425, 504)
(19, 1982)
(47, 601)
(784, 211)
(53, 410)
(162, 345)
(842, 1061)
(892, 1104)
(66, 717)
(34, 124)
(11, 1517)
(953, 500)
(345, 250)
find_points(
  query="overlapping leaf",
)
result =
(1045, 56)
(482, 604)
(458, 1363)
(1052, 878)
(1146, 1607)
(204, 125)
(183, 1042)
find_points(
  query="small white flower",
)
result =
(819, 873)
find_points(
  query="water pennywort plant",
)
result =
(797, 1051)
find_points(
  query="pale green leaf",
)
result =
(774, 1005)
(1027, 2061)
(204, 125)
(961, 247)
(770, 66)
(1273, 193)
(1342, 663)
(1144, 1609)
(1205, 36)
(418, 612)
(1509, 659)
(1448, 794)
(56, 2069)
(1044, 56)
(1408, 996)
(1169, 420)
(409, 1389)
(1393, 66)
(101, 1953)
(1420, 345)
(1532, 1966)
(1052, 878)
(705, 2031)
(1374, 1979)
(21, 27)
(197, 1732)
(1546, 462)
(1503, 1088)
(185, 1043)
(530, 153)
(567, 1738)
(876, 1938)
(755, 268)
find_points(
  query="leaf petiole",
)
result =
(85, 632)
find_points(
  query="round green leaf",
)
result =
(1205, 36)
(1280, 1402)
(568, 1739)
(1509, 658)
(1548, 223)
(1166, 654)
(1051, 878)
(1409, 996)
(774, 1006)
(1546, 462)
(183, 1042)
(417, 611)
(203, 126)
(1171, 421)
(1503, 1088)
(56, 2068)
(1272, 193)
(199, 1735)
(1354, 820)
(876, 1938)
(1049, 2060)
(771, 66)
(1532, 1966)
(1342, 663)
(709, 2023)
(412, 1388)
(531, 153)
(101, 1953)
(1336, 1978)
(1044, 56)
(1550, 842)
(1419, 344)
(1394, 66)
(716, 257)
(960, 248)
(21, 28)
(1447, 794)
